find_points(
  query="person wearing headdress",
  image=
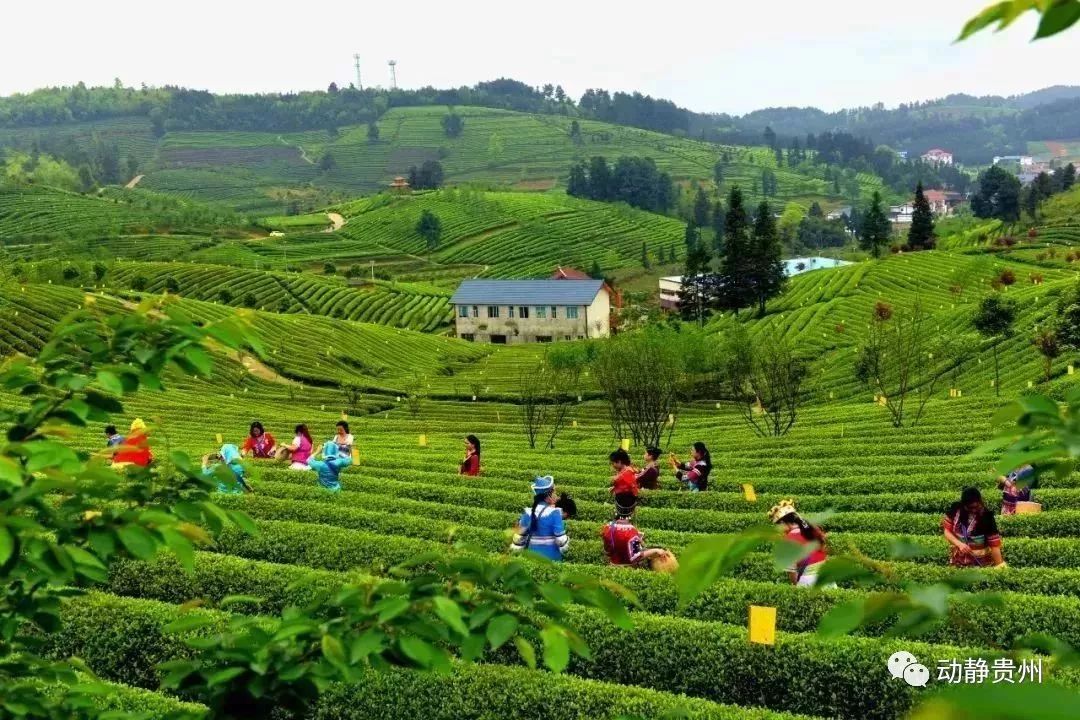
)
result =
(648, 477)
(972, 531)
(112, 436)
(799, 530)
(541, 528)
(624, 543)
(135, 448)
(331, 465)
(230, 456)
(1016, 487)
(624, 481)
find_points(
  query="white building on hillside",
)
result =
(671, 285)
(521, 311)
(901, 214)
(937, 156)
(1021, 160)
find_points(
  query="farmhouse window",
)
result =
(554, 313)
(463, 311)
(468, 336)
(510, 310)
(493, 311)
(541, 312)
(543, 338)
(523, 312)
(571, 312)
(475, 311)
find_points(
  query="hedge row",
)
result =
(798, 610)
(389, 517)
(886, 518)
(333, 548)
(122, 639)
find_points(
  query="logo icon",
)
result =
(906, 666)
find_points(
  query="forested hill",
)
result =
(974, 128)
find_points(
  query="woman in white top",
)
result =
(343, 439)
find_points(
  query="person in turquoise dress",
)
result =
(229, 455)
(541, 528)
(331, 465)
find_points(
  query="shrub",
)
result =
(138, 282)
(1007, 277)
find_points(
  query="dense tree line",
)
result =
(633, 180)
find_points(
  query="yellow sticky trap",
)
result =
(1070, 369)
(748, 492)
(356, 456)
(625, 444)
(670, 419)
(218, 438)
(762, 625)
(573, 423)
(1031, 384)
(423, 441)
(344, 416)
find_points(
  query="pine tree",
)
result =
(1068, 177)
(595, 272)
(578, 184)
(691, 237)
(735, 289)
(696, 294)
(718, 228)
(645, 256)
(701, 208)
(921, 233)
(765, 263)
(875, 230)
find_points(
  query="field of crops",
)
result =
(263, 172)
(30, 213)
(883, 485)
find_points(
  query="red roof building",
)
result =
(567, 273)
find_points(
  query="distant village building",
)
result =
(400, 185)
(839, 213)
(937, 156)
(507, 312)
(902, 154)
(671, 285)
(901, 214)
(1021, 160)
(943, 202)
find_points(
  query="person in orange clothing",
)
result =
(135, 449)
(625, 479)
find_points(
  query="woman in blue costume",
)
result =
(230, 455)
(541, 527)
(331, 465)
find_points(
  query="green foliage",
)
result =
(429, 227)
(1057, 16)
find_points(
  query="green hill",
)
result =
(263, 172)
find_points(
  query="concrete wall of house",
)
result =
(592, 321)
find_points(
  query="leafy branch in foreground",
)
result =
(432, 610)
(65, 515)
(1055, 16)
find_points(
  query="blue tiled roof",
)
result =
(526, 292)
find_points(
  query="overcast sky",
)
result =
(724, 57)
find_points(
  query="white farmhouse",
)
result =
(523, 311)
(937, 156)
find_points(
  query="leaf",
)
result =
(419, 651)
(333, 650)
(188, 623)
(500, 629)
(526, 651)
(138, 541)
(450, 613)
(788, 552)
(223, 676)
(1059, 16)
(7, 544)
(1020, 701)
(239, 600)
(110, 382)
(363, 646)
(556, 648)
(10, 473)
(707, 560)
(391, 607)
(842, 619)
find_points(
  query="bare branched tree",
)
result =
(902, 356)
(641, 375)
(765, 378)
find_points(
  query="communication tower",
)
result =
(356, 60)
(393, 74)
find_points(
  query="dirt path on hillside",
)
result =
(134, 181)
(303, 152)
(337, 222)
